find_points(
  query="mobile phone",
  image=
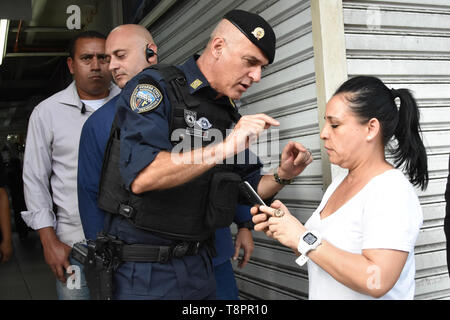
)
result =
(250, 194)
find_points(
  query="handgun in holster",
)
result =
(100, 259)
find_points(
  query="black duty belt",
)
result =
(153, 253)
(102, 257)
(112, 251)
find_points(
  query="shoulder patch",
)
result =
(145, 97)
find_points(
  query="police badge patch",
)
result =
(259, 33)
(190, 117)
(204, 123)
(145, 98)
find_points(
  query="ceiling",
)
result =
(35, 63)
(39, 32)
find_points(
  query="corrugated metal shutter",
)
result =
(286, 92)
(407, 44)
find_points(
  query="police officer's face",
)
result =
(89, 67)
(127, 56)
(240, 65)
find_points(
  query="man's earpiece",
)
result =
(149, 53)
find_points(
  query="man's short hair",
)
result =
(84, 35)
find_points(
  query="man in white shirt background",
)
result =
(51, 157)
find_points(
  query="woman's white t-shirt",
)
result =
(385, 214)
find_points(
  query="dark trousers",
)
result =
(186, 278)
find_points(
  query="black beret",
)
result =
(257, 30)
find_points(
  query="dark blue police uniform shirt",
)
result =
(144, 135)
(93, 140)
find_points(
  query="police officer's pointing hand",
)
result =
(246, 132)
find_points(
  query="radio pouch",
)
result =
(222, 199)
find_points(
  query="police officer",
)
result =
(173, 189)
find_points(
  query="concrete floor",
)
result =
(26, 276)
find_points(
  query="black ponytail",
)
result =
(411, 151)
(370, 98)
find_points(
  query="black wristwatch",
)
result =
(247, 224)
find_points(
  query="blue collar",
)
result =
(195, 78)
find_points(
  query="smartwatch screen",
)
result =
(309, 238)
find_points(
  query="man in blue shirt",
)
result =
(125, 46)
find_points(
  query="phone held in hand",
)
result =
(250, 194)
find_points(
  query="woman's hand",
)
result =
(286, 228)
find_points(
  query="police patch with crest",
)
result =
(190, 117)
(145, 97)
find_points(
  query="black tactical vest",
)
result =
(191, 211)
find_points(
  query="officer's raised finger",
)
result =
(269, 121)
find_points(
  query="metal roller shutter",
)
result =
(404, 42)
(287, 92)
(407, 44)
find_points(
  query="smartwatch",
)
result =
(310, 240)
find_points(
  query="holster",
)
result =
(100, 282)
(102, 260)
(107, 252)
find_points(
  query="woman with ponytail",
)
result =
(359, 243)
